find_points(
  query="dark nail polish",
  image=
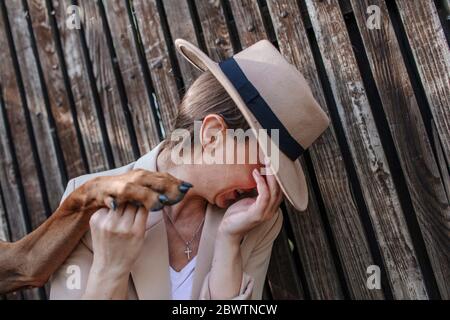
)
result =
(187, 184)
(163, 198)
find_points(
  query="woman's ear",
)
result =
(212, 126)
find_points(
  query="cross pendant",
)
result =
(188, 252)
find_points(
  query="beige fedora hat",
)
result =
(271, 94)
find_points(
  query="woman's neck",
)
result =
(193, 205)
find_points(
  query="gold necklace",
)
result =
(188, 249)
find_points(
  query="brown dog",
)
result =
(31, 261)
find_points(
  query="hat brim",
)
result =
(289, 174)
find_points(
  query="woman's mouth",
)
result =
(238, 193)
(228, 198)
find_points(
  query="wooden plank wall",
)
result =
(74, 101)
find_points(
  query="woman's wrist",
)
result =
(115, 271)
(106, 283)
(232, 239)
(226, 272)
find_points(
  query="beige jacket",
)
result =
(150, 278)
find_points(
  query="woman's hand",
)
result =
(248, 213)
(117, 240)
(244, 215)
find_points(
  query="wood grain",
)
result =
(95, 138)
(4, 230)
(181, 26)
(408, 132)
(13, 124)
(282, 275)
(215, 30)
(431, 53)
(330, 171)
(57, 92)
(102, 62)
(387, 217)
(157, 55)
(9, 186)
(34, 95)
(139, 98)
(249, 23)
(13, 112)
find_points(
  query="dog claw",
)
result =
(184, 187)
(157, 208)
(114, 205)
(163, 198)
(175, 201)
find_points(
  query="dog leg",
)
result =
(31, 261)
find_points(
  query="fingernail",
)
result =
(114, 205)
(163, 198)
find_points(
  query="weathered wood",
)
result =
(310, 238)
(139, 98)
(314, 249)
(157, 56)
(9, 184)
(215, 29)
(57, 92)
(44, 133)
(94, 140)
(445, 173)
(10, 197)
(13, 112)
(422, 175)
(249, 22)
(283, 278)
(387, 217)
(102, 63)
(4, 230)
(330, 171)
(181, 26)
(431, 53)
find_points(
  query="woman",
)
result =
(216, 242)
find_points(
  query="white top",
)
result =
(182, 281)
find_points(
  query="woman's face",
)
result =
(227, 181)
(231, 181)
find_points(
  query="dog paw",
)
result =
(153, 190)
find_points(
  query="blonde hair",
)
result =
(206, 96)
